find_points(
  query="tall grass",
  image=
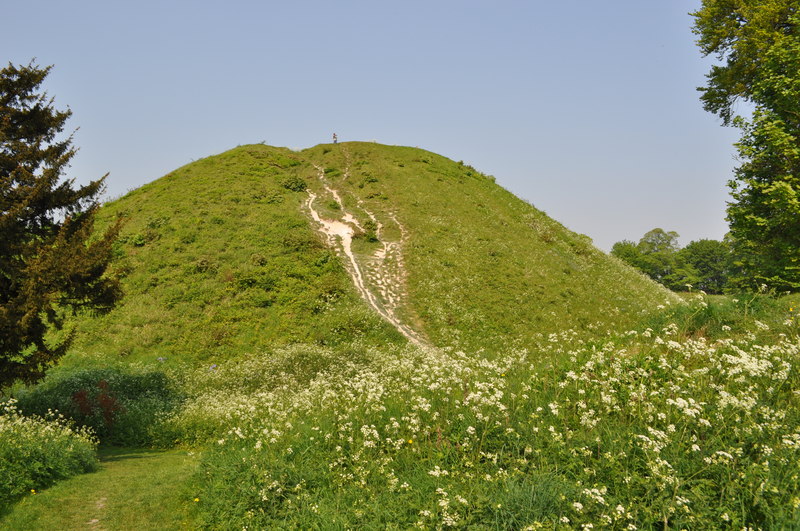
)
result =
(663, 426)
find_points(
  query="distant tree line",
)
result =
(708, 265)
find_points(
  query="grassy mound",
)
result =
(220, 258)
(561, 389)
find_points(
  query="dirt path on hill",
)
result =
(379, 277)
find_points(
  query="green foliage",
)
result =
(48, 257)
(661, 262)
(655, 255)
(35, 452)
(765, 214)
(121, 405)
(759, 42)
(293, 183)
(659, 241)
(702, 264)
(712, 263)
(749, 36)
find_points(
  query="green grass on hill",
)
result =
(242, 333)
(485, 267)
(220, 259)
(313, 413)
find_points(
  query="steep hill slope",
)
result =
(481, 266)
(262, 246)
(359, 254)
(219, 258)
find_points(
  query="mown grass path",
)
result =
(133, 489)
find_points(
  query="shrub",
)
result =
(293, 183)
(120, 406)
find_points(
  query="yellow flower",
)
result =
(411, 441)
(33, 491)
(196, 500)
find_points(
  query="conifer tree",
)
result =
(50, 259)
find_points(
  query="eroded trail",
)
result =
(379, 276)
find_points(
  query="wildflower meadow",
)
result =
(648, 429)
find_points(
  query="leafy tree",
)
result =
(758, 42)
(704, 264)
(659, 241)
(711, 261)
(656, 256)
(49, 259)
(628, 252)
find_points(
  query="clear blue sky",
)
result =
(586, 109)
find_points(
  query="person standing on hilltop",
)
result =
(335, 138)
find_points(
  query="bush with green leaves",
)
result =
(121, 405)
(293, 183)
(35, 452)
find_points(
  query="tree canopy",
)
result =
(702, 264)
(49, 259)
(758, 45)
